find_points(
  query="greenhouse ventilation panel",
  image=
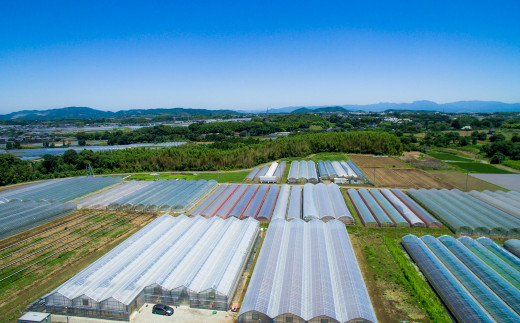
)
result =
(172, 260)
(280, 288)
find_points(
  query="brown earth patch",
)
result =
(370, 160)
(403, 178)
(418, 159)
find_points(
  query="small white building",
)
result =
(31, 317)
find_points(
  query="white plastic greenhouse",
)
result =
(59, 190)
(17, 216)
(295, 204)
(162, 195)
(307, 272)
(293, 172)
(172, 260)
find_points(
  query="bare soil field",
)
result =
(370, 160)
(403, 178)
(418, 159)
(37, 261)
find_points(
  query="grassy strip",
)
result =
(447, 156)
(225, 177)
(319, 156)
(515, 164)
(479, 168)
(415, 285)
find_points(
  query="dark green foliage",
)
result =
(497, 158)
(234, 153)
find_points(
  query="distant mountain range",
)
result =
(89, 113)
(452, 107)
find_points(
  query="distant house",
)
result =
(466, 128)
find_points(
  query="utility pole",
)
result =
(374, 176)
(218, 176)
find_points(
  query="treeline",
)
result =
(233, 154)
(501, 149)
(213, 131)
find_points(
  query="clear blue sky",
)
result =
(115, 55)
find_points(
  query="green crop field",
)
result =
(447, 156)
(512, 163)
(221, 176)
(480, 168)
(319, 156)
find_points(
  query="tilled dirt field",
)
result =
(50, 254)
(403, 178)
(369, 160)
(421, 160)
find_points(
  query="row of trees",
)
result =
(233, 154)
(199, 131)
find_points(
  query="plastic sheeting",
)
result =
(310, 203)
(460, 210)
(251, 176)
(392, 212)
(162, 195)
(295, 204)
(405, 211)
(482, 293)
(378, 213)
(499, 251)
(504, 289)
(428, 220)
(17, 216)
(303, 171)
(170, 259)
(280, 286)
(59, 190)
(362, 210)
(244, 201)
(338, 169)
(513, 245)
(340, 206)
(265, 212)
(322, 170)
(280, 209)
(508, 205)
(459, 301)
(325, 208)
(294, 171)
(257, 200)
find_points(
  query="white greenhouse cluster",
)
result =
(320, 201)
(174, 195)
(59, 190)
(389, 208)
(307, 272)
(241, 201)
(18, 216)
(302, 171)
(268, 202)
(337, 171)
(172, 260)
(267, 174)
